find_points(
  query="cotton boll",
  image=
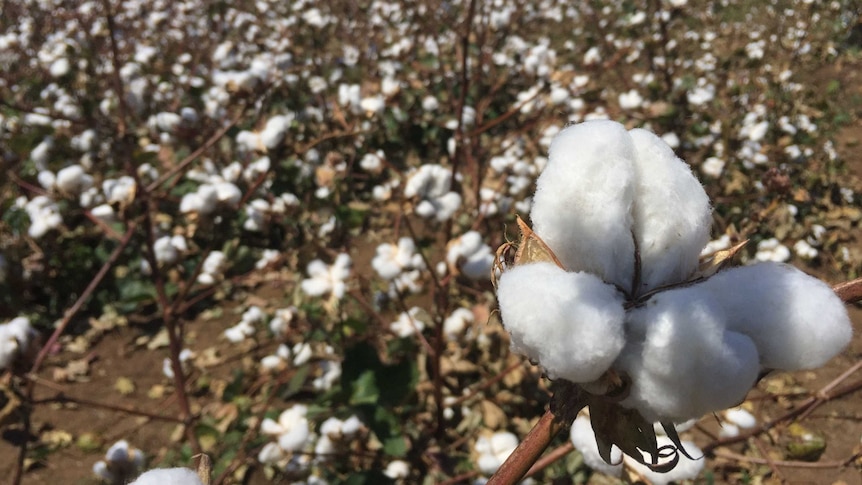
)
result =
(494, 450)
(672, 216)
(15, 339)
(169, 476)
(584, 439)
(668, 381)
(571, 323)
(796, 321)
(583, 201)
(73, 180)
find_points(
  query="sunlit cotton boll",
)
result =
(456, 323)
(772, 250)
(73, 180)
(391, 260)
(212, 268)
(168, 476)
(292, 428)
(407, 323)
(431, 183)
(571, 323)
(582, 207)
(494, 450)
(44, 215)
(796, 320)
(325, 278)
(669, 246)
(15, 338)
(471, 255)
(682, 359)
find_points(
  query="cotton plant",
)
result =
(607, 292)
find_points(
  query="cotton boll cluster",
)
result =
(280, 323)
(245, 328)
(292, 433)
(734, 419)
(328, 279)
(772, 250)
(335, 435)
(16, 337)
(269, 138)
(493, 450)
(457, 323)
(431, 185)
(628, 222)
(208, 197)
(44, 216)
(168, 476)
(408, 323)
(168, 249)
(121, 463)
(399, 264)
(583, 438)
(470, 256)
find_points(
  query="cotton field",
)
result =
(395, 241)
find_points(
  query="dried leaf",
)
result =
(204, 468)
(492, 415)
(532, 249)
(718, 261)
(124, 386)
(625, 428)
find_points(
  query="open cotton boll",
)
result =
(571, 323)
(582, 206)
(682, 361)
(672, 216)
(168, 476)
(796, 321)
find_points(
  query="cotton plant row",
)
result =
(609, 293)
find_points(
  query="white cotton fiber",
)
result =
(168, 476)
(796, 321)
(672, 216)
(682, 361)
(582, 206)
(571, 323)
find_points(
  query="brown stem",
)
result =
(525, 455)
(551, 457)
(850, 291)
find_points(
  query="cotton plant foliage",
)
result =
(607, 291)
